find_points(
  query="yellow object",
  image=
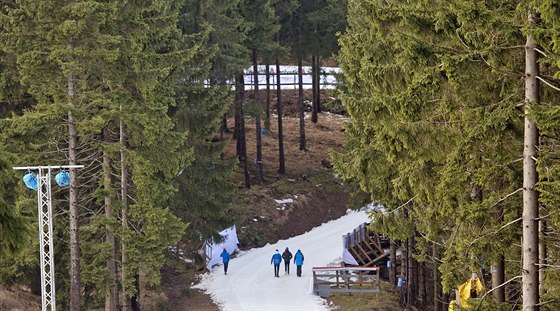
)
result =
(453, 306)
(465, 290)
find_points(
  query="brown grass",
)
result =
(386, 300)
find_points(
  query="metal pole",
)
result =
(44, 212)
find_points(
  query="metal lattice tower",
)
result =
(44, 209)
(45, 240)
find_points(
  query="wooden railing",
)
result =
(328, 280)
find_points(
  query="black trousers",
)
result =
(287, 266)
(276, 269)
(225, 267)
(298, 270)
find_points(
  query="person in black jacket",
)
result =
(287, 256)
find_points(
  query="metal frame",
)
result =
(44, 212)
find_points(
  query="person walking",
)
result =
(276, 260)
(225, 258)
(298, 260)
(287, 256)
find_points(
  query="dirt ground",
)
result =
(14, 298)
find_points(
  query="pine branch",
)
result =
(491, 290)
(548, 83)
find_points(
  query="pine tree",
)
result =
(205, 191)
(12, 224)
(413, 109)
(126, 63)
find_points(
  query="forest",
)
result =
(140, 93)
(453, 130)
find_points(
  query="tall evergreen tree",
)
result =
(415, 111)
(121, 56)
(205, 191)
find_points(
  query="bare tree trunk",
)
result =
(318, 66)
(301, 107)
(393, 258)
(421, 284)
(258, 134)
(75, 286)
(542, 255)
(240, 128)
(281, 159)
(404, 273)
(530, 272)
(267, 113)
(111, 291)
(498, 266)
(124, 215)
(437, 288)
(314, 89)
(412, 267)
(134, 300)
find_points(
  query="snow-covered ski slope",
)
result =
(250, 284)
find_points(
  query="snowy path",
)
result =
(251, 286)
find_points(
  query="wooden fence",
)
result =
(328, 280)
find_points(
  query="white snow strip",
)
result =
(251, 286)
(285, 201)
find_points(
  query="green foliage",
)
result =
(436, 130)
(204, 191)
(12, 223)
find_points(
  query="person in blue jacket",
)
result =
(298, 260)
(225, 258)
(276, 260)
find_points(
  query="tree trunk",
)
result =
(281, 159)
(412, 276)
(318, 66)
(75, 286)
(240, 128)
(542, 255)
(393, 258)
(437, 288)
(498, 266)
(301, 107)
(135, 299)
(530, 272)
(404, 273)
(421, 284)
(258, 134)
(314, 89)
(267, 112)
(111, 291)
(124, 214)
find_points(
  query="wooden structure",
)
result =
(328, 280)
(367, 247)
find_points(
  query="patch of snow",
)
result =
(285, 201)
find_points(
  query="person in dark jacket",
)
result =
(276, 260)
(287, 256)
(225, 258)
(298, 260)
